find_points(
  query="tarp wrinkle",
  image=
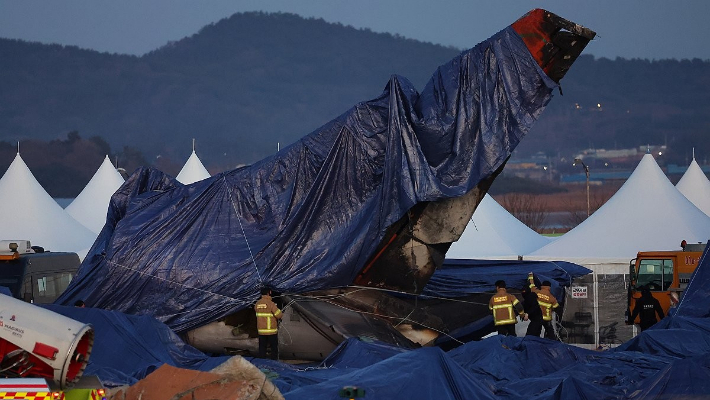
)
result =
(310, 216)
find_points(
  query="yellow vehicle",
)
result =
(665, 273)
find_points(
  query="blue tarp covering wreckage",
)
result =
(309, 217)
(670, 360)
(300, 221)
(458, 277)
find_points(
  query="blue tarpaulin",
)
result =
(309, 217)
(669, 360)
(127, 347)
(458, 278)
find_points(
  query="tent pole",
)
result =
(596, 309)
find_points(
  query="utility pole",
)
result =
(586, 172)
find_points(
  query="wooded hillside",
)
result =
(248, 82)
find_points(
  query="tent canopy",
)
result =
(91, 205)
(493, 232)
(647, 213)
(694, 185)
(192, 171)
(29, 213)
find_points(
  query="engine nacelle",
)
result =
(38, 343)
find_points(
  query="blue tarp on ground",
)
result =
(666, 361)
(670, 360)
(309, 217)
(127, 348)
(459, 278)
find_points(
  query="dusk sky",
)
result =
(652, 29)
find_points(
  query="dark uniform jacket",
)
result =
(504, 307)
(647, 307)
(532, 306)
(266, 315)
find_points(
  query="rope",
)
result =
(236, 212)
(231, 300)
(427, 296)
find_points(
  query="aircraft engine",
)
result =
(38, 343)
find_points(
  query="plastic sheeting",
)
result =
(127, 348)
(472, 282)
(498, 367)
(458, 278)
(309, 217)
(668, 360)
(696, 298)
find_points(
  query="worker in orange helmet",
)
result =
(267, 315)
(548, 303)
(505, 307)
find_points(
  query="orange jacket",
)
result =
(504, 307)
(266, 315)
(547, 301)
(545, 298)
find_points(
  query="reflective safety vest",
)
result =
(504, 307)
(266, 315)
(547, 301)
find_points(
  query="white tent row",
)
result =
(647, 213)
(28, 212)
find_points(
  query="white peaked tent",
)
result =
(29, 213)
(696, 187)
(493, 232)
(91, 205)
(192, 171)
(647, 213)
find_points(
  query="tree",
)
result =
(529, 209)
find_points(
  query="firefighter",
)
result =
(548, 303)
(647, 307)
(533, 313)
(267, 315)
(504, 307)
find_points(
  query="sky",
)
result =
(650, 29)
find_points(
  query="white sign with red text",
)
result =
(579, 292)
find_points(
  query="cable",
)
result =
(236, 212)
(230, 299)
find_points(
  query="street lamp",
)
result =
(586, 172)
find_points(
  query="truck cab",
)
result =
(665, 273)
(34, 275)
